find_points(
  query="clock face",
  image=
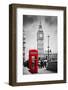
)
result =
(41, 35)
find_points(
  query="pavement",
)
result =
(40, 71)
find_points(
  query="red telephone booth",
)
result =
(33, 61)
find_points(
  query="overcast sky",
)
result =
(31, 27)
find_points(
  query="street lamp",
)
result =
(48, 46)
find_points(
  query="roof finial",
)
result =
(40, 26)
(40, 20)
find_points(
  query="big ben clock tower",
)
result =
(40, 38)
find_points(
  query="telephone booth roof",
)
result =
(33, 51)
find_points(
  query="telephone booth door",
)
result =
(33, 61)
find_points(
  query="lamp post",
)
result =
(48, 46)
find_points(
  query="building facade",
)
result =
(24, 42)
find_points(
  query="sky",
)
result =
(31, 27)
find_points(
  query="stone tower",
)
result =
(40, 38)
